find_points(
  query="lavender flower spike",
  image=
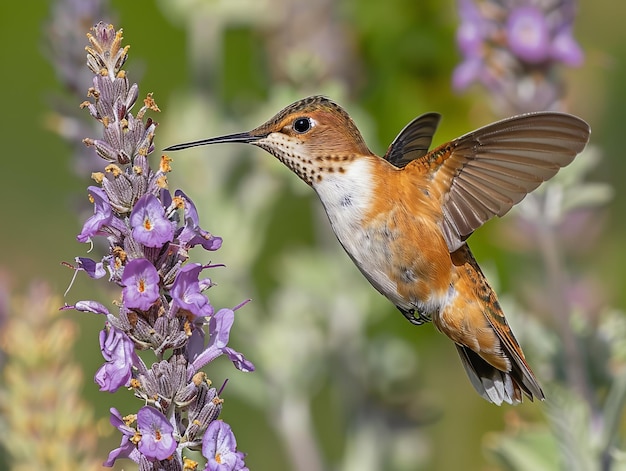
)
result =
(163, 308)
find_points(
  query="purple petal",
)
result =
(149, 224)
(219, 447)
(192, 234)
(219, 327)
(126, 449)
(94, 269)
(119, 351)
(88, 306)
(219, 331)
(141, 284)
(186, 291)
(101, 215)
(157, 439)
(240, 362)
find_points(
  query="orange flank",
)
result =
(404, 218)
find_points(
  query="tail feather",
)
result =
(495, 385)
(490, 353)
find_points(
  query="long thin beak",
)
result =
(243, 137)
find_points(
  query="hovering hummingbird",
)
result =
(404, 218)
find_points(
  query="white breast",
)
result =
(347, 198)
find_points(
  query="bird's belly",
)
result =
(402, 254)
(406, 272)
(410, 266)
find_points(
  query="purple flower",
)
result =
(127, 448)
(94, 269)
(186, 291)
(219, 331)
(141, 284)
(101, 215)
(157, 439)
(472, 30)
(192, 234)
(240, 362)
(119, 352)
(219, 447)
(89, 306)
(528, 35)
(149, 224)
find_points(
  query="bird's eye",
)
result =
(302, 125)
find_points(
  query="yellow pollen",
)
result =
(157, 435)
(147, 225)
(142, 286)
(178, 201)
(113, 170)
(150, 103)
(165, 164)
(218, 458)
(129, 419)
(162, 181)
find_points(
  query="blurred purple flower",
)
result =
(157, 440)
(149, 225)
(528, 34)
(119, 352)
(564, 48)
(219, 447)
(186, 291)
(141, 284)
(505, 46)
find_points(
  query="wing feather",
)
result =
(414, 140)
(484, 173)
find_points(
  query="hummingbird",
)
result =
(404, 218)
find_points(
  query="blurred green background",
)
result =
(402, 54)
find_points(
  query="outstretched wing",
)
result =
(414, 140)
(484, 173)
